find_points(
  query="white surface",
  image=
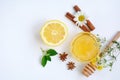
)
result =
(20, 22)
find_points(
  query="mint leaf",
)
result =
(48, 58)
(51, 52)
(44, 61)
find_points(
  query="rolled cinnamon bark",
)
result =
(84, 28)
(76, 8)
(90, 25)
(71, 17)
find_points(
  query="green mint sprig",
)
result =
(47, 56)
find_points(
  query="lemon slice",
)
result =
(54, 32)
(85, 47)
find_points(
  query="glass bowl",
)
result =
(85, 47)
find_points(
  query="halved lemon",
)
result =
(54, 32)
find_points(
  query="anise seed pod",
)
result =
(63, 56)
(71, 65)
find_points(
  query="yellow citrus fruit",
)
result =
(54, 32)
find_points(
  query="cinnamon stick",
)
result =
(71, 17)
(84, 28)
(90, 25)
(76, 8)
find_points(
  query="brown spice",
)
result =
(90, 25)
(63, 56)
(71, 17)
(71, 65)
(76, 8)
(84, 28)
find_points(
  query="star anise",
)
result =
(71, 65)
(63, 56)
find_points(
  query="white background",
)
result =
(20, 23)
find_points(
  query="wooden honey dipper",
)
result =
(89, 69)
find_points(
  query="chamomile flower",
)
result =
(80, 18)
(100, 67)
(94, 61)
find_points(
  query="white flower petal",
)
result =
(75, 19)
(80, 23)
(85, 22)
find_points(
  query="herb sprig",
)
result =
(109, 56)
(47, 56)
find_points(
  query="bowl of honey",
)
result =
(85, 47)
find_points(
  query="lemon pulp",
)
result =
(85, 47)
(54, 32)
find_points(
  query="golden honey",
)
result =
(84, 47)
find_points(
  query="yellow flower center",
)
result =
(81, 18)
(100, 67)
